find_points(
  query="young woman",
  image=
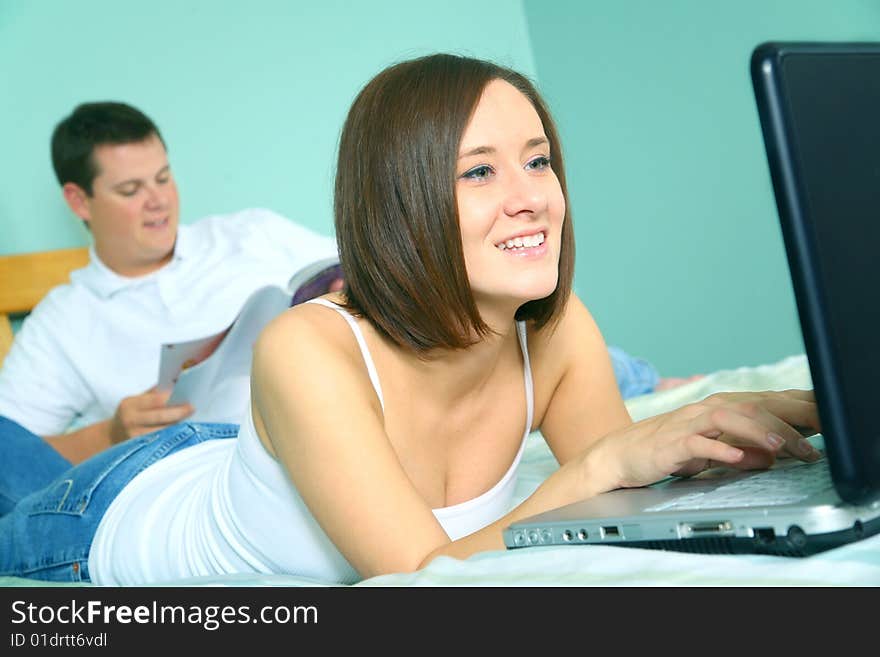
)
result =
(387, 420)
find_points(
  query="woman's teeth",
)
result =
(522, 242)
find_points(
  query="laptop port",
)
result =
(705, 528)
(583, 535)
(765, 535)
(611, 531)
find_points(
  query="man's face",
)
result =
(133, 209)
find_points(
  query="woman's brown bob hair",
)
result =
(395, 207)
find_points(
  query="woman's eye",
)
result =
(478, 173)
(540, 162)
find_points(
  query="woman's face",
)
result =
(510, 203)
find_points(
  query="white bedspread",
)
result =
(857, 564)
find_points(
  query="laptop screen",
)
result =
(829, 104)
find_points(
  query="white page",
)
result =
(178, 356)
(219, 386)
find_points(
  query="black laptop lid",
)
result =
(819, 106)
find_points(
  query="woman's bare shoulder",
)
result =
(570, 363)
(562, 341)
(305, 362)
(307, 335)
(305, 326)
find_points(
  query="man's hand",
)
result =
(135, 415)
(144, 413)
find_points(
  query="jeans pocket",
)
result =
(71, 492)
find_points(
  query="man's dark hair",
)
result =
(93, 124)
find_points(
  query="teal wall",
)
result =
(250, 96)
(680, 257)
(679, 252)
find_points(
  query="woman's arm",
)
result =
(314, 402)
(585, 420)
(577, 389)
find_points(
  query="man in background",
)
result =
(82, 369)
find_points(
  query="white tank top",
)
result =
(227, 506)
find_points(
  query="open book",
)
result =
(213, 373)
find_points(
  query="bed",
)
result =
(25, 278)
(857, 564)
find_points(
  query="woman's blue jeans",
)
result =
(27, 464)
(48, 533)
(635, 376)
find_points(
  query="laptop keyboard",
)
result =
(766, 488)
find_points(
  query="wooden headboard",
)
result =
(26, 278)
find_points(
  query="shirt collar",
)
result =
(105, 282)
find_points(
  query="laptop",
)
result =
(819, 110)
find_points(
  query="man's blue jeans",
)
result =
(48, 533)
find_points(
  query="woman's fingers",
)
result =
(799, 419)
(749, 458)
(695, 453)
(767, 421)
(801, 413)
(803, 395)
(741, 422)
(779, 420)
(741, 430)
(793, 441)
(755, 458)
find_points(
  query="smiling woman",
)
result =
(506, 173)
(402, 217)
(387, 420)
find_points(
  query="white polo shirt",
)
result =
(91, 343)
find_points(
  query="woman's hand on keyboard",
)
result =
(745, 430)
(793, 412)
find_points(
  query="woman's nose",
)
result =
(524, 194)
